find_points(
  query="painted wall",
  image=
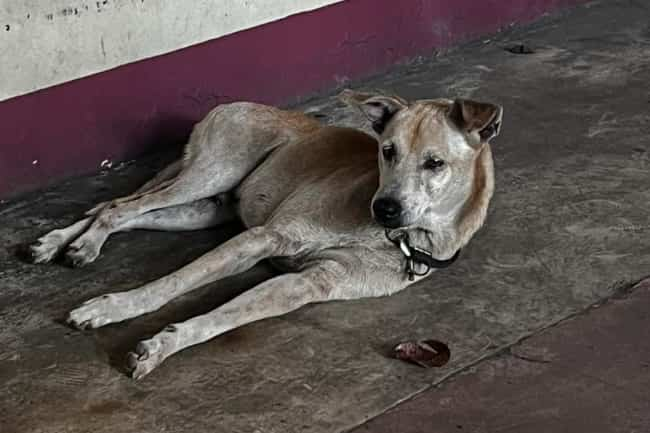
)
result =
(143, 106)
(48, 42)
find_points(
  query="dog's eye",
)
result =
(433, 163)
(388, 151)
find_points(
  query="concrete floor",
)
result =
(589, 374)
(568, 228)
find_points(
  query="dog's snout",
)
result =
(387, 211)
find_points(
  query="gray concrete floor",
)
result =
(567, 229)
(589, 374)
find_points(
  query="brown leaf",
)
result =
(426, 353)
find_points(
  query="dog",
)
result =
(345, 214)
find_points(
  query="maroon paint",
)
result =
(118, 114)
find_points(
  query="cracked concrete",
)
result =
(568, 224)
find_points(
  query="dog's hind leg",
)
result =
(48, 246)
(234, 256)
(182, 190)
(167, 173)
(223, 149)
(198, 215)
(160, 180)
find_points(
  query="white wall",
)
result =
(48, 42)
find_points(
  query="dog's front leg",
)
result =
(234, 256)
(274, 297)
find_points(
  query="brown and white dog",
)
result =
(349, 215)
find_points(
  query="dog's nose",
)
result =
(387, 211)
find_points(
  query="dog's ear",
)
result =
(476, 118)
(379, 109)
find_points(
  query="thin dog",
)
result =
(347, 215)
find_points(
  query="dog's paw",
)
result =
(98, 312)
(44, 250)
(80, 254)
(148, 355)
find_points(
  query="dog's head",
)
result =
(434, 161)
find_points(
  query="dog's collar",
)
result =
(417, 255)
